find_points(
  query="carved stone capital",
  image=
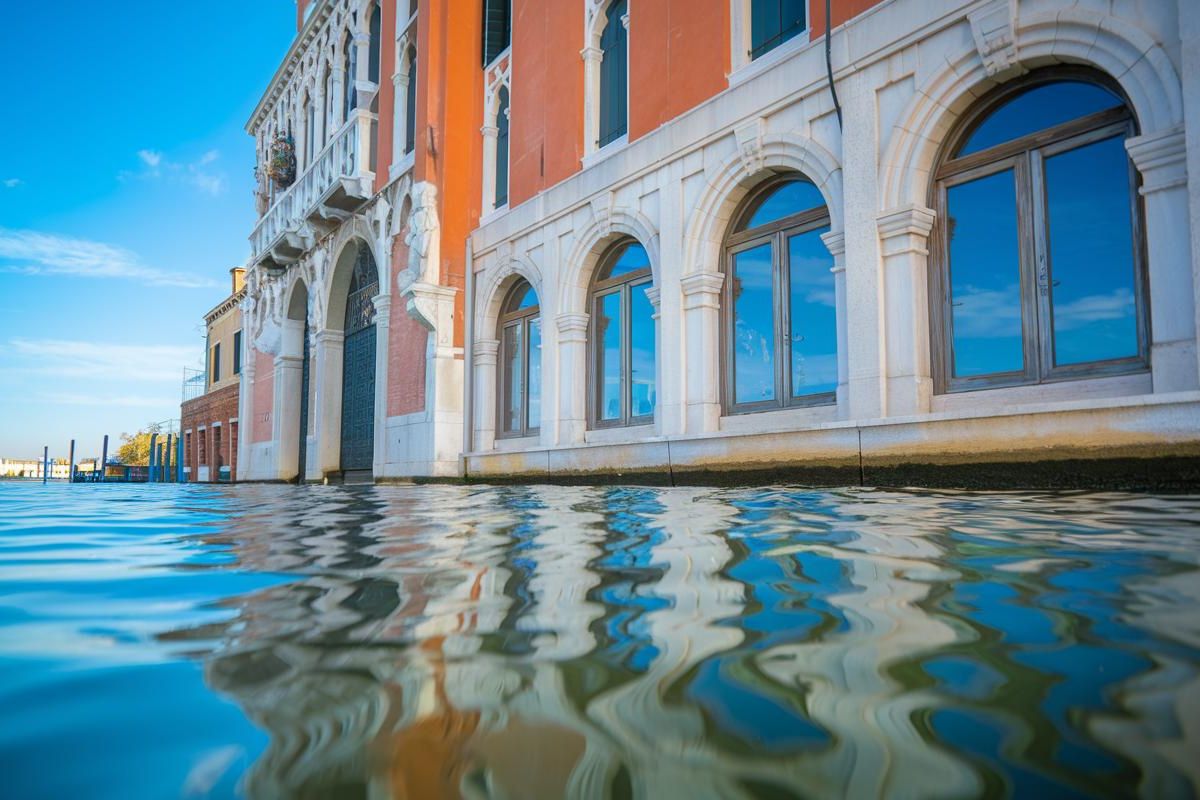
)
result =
(485, 351)
(835, 242)
(592, 54)
(1161, 158)
(431, 305)
(905, 230)
(993, 30)
(572, 327)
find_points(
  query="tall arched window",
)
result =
(614, 75)
(410, 102)
(624, 382)
(773, 22)
(780, 313)
(376, 31)
(310, 130)
(349, 95)
(520, 406)
(330, 125)
(1038, 270)
(502, 148)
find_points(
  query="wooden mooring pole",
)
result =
(103, 457)
(71, 471)
(45, 463)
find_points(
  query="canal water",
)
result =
(545, 642)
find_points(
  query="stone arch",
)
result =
(1116, 47)
(296, 304)
(757, 159)
(353, 233)
(591, 244)
(495, 286)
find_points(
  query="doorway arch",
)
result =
(358, 364)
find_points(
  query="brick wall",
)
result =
(208, 411)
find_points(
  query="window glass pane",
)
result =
(985, 282)
(608, 339)
(1091, 253)
(502, 150)
(813, 315)
(641, 350)
(613, 76)
(632, 258)
(1037, 109)
(785, 200)
(534, 399)
(522, 297)
(773, 22)
(753, 326)
(511, 412)
(410, 104)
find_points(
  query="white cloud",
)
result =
(73, 359)
(12, 183)
(151, 158)
(34, 253)
(194, 174)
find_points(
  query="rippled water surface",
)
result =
(537, 642)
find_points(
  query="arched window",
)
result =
(410, 102)
(349, 57)
(773, 22)
(624, 387)
(310, 130)
(330, 125)
(520, 406)
(502, 148)
(614, 75)
(376, 31)
(1038, 270)
(780, 314)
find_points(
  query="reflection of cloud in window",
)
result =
(984, 313)
(1116, 305)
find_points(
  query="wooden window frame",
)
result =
(775, 233)
(622, 285)
(1026, 156)
(522, 319)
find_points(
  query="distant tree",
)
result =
(135, 447)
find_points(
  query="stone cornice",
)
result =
(225, 306)
(289, 64)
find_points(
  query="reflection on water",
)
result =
(537, 642)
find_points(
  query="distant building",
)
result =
(32, 468)
(209, 413)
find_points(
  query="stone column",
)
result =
(702, 355)
(592, 56)
(327, 406)
(383, 315)
(904, 243)
(485, 354)
(399, 111)
(572, 378)
(286, 423)
(835, 241)
(1189, 35)
(654, 296)
(339, 96)
(670, 341)
(490, 135)
(245, 405)
(364, 87)
(1161, 159)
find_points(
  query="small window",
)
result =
(237, 353)
(349, 50)
(216, 363)
(1039, 271)
(773, 22)
(502, 149)
(623, 374)
(497, 28)
(410, 103)
(376, 33)
(520, 382)
(780, 314)
(614, 75)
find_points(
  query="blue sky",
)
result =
(125, 197)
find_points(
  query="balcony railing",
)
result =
(337, 182)
(194, 383)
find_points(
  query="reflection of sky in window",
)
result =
(535, 373)
(609, 337)
(985, 291)
(632, 259)
(1091, 253)
(753, 330)
(1037, 109)
(813, 315)
(512, 375)
(789, 198)
(642, 378)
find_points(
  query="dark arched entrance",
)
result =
(358, 365)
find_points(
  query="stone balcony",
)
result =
(338, 182)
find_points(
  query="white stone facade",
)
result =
(905, 71)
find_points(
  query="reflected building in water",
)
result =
(447, 642)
